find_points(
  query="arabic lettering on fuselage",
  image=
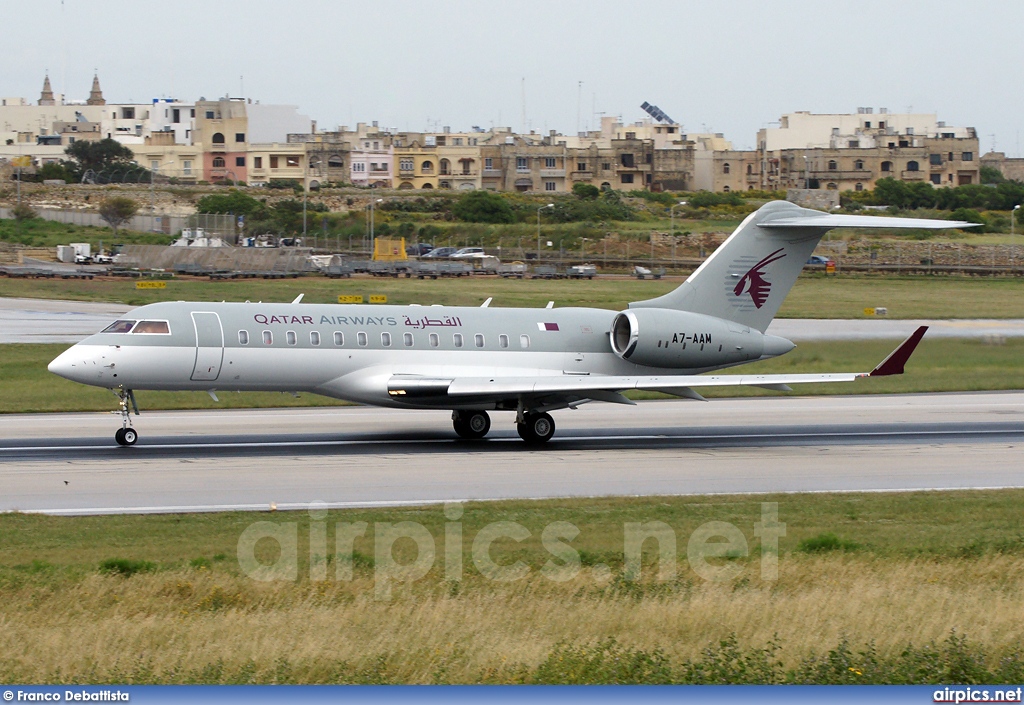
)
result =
(446, 322)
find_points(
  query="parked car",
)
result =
(419, 249)
(819, 261)
(469, 253)
(441, 253)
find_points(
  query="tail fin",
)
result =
(747, 278)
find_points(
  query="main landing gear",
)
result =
(471, 424)
(536, 429)
(126, 435)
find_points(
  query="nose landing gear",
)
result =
(126, 435)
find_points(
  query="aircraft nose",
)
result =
(62, 364)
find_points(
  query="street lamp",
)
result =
(550, 205)
(152, 192)
(1012, 214)
(672, 216)
(807, 169)
(373, 243)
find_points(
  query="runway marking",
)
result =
(370, 504)
(413, 441)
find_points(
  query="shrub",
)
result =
(824, 543)
(586, 191)
(23, 212)
(125, 567)
(483, 207)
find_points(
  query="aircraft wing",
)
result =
(609, 388)
(839, 220)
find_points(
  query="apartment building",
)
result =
(852, 151)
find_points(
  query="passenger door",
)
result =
(209, 346)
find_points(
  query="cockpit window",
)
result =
(119, 327)
(159, 327)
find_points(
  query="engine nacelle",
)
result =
(660, 337)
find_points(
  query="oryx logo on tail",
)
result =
(754, 283)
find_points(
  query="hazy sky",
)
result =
(730, 67)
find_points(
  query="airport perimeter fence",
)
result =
(676, 255)
(144, 223)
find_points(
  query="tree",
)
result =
(585, 191)
(55, 170)
(234, 202)
(483, 207)
(97, 156)
(118, 210)
(991, 175)
(23, 212)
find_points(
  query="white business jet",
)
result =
(475, 360)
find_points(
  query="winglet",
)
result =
(893, 364)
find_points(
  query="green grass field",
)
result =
(813, 296)
(920, 587)
(37, 232)
(940, 365)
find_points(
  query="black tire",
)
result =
(129, 436)
(536, 429)
(119, 437)
(471, 424)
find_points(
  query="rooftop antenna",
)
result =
(523, 103)
(241, 86)
(63, 55)
(579, 104)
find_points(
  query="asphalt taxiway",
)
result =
(358, 456)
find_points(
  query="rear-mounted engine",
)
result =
(658, 337)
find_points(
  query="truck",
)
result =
(581, 271)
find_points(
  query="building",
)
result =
(221, 133)
(852, 151)
(1011, 168)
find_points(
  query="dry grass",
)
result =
(211, 625)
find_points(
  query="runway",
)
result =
(357, 456)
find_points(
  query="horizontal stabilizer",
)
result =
(838, 220)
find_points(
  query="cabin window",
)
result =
(361, 339)
(314, 337)
(434, 340)
(479, 340)
(524, 341)
(119, 327)
(153, 327)
(457, 338)
(385, 340)
(407, 339)
(243, 337)
(339, 338)
(291, 337)
(268, 338)
(503, 341)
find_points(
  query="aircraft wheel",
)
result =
(126, 436)
(537, 428)
(471, 424)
